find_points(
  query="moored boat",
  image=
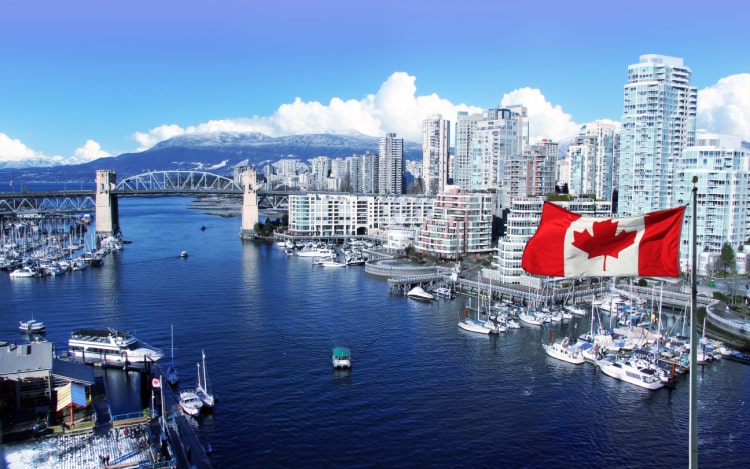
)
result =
(419, 293)
(109, 347)
(626, 370)
(203, 389)
(190, 402)
(562, 350)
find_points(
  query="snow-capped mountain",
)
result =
(216, 152)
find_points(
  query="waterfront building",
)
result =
(317, 214)
(722, 165)
(658, 123)
(435, 153)
(523, 220)
(498, 137)
(588, 167)
(30, 376)
(460, 225)
(464, 131)
(391, 164)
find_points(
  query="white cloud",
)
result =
(394, 108)
(90, 151)
(545, 119)
(12, 150)
(724, 108)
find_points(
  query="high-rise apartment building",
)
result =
(658, 123)
(370, 173)
(498, 137)
(722, 165)
(391, 161)
(589, 163)
(465, 125)
(435, 153)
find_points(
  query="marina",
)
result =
(267, 304)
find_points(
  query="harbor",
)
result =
(268, 323)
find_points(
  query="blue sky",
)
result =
(88, 78)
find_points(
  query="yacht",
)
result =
(190, 402)
(626, 370)
(562, 350)
(108, 347)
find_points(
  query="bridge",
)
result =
(104, 199)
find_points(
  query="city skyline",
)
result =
(93, 79)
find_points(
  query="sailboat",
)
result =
(204, 389)
(172, 376)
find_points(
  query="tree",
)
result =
(728, 260)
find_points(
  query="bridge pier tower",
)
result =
(249, 204)
(107, 212)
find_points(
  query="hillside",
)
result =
(216, 152)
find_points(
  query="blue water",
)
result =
(421, 391)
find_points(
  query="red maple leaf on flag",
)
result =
(604, 241)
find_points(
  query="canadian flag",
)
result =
(156, 383)
(568, 244)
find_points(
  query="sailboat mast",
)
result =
(205, 383)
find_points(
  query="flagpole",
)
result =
(694, 338)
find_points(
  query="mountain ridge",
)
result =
(217, 152)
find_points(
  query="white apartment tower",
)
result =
(370, 173)
(590, 161)
(498, 137)
(435, 153)
(391, 159)
(464, 130)
(722, 165)
(658, 123)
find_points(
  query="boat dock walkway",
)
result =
(187, 448)
(120, 447)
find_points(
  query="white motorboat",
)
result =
(419, 293)
(341, 357)
(109, 347)
(626, 370)
(444, 292)
(190, 402)
(562, 350)
(332, 263)
(24, 272)
(184, 254)
(203, 389)
(31, 326)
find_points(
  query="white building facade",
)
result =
(722, 165)
(316, 214)
(589, 163)
(435, 153)
(658, 123)
(391, 164)
(460, 224)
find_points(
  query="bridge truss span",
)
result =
(177, 182)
